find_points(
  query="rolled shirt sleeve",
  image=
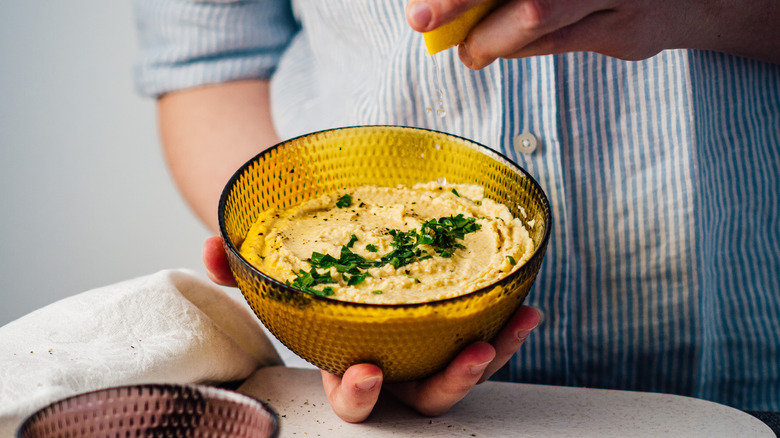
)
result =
(190, 43)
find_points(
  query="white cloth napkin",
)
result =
(173, 326)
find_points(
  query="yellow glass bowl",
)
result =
(407, 341)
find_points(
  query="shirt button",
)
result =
(525, 143)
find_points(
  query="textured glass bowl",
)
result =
(408, 341)
(154, 410)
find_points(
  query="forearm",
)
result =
(208, 133)
(744, 28)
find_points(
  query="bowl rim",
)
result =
(206, 390)
(538, 251)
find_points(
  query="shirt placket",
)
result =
(531, 136)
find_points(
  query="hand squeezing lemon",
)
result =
(456, 31)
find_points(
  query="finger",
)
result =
(425, 15)
(353, 395)
(511, 337)
(437, 394)
(216, 263)
(519, 23)
(600, 33)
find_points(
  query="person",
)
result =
(654, 129)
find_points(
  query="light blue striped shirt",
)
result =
(663, 175)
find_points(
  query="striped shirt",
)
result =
(663, 175)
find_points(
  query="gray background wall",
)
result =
(85, 197)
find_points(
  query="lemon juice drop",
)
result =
(439, 89)
(450, 35)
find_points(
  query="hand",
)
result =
(216, 262)
(625, 29)
(353, 395)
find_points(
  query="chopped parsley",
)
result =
(357, 278)
(344, 201)
(456, 193)
(446, 231)
(348, 261)
(441, 234)
(306, 281)
(511, 260)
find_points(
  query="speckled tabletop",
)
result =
(496, 409)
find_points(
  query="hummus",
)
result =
(386, 245)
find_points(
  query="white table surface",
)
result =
(496, 409)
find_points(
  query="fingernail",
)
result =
(465, 57)
(368, 383)
(420, 15)
(523, 333)
(478, 369)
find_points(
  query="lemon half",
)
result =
(455, 32)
